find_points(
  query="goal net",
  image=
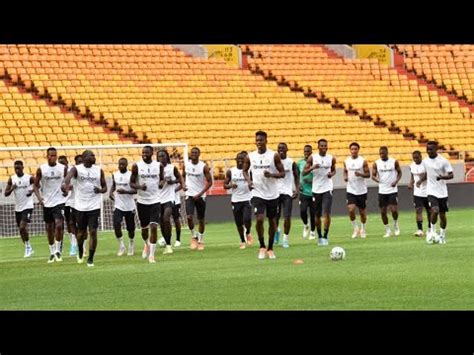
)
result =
(107, 157)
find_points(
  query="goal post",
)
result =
(107, 157)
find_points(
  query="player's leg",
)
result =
(237, 211)
(49, 226)
(177, 224)
(166, 210)
(144, 217)
(327, 205)
(443, 221)
(130, 225)
(68, 216)
(271, 206)
(312, 218)
(155, 217)
(81, 234)
(351, 207)
(201, 215)
(393, 205)
(22, 222)
(190, 206)
(247, 219)
(419, 216)
(287, 209)
(277, 219)
(259, 209)
(361, 203)
(426, 205)
(117, 224)
(92, 224)
(58, 215)
(383, 203)
(304, 205)
(318, 205)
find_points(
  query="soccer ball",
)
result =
(432, 238)
(337, 253)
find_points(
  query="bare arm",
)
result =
(449, 176)
(365, 168)
(227, 182)
(245, 170)
(411, 182)
(10, 187)
(375, 175)
(67, 181)
(296, 176)
(399, 173)
(134, 179)
(112, 189)
(179, 179)
(36, 186)
(279, 167)
(333, 168)
(208, 185)
(309, 166)
(184, 177)
(103, 184)
(162, 177)
(345, 173)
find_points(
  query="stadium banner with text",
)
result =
(382, 53)
(230, 53)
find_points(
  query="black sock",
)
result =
(319, 233)
(420, 225)
(81, 249)
(178, 235)
(91, 255)
(326, 231)
(262, 242)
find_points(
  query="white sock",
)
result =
(362, 227)
(58, 246)
(354, 224)
(73, 239)
(442, 232)
(27, 244)
(285, 237)
(52, 249)
(200, 237)
(120, 240)
(152, 249)
(433, 228)
(387, 228)
(395, 224)
(306, 226)
(131, 242)
(193, 235)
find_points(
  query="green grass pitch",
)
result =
(395, 273)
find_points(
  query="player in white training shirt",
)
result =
(21, 185)
(241, 196)
(266, 168)
(177, 214)
(323, 166)
(420, 199)
(387, 173)
(438, 170)
(50, 176)
(90, 184)
(288, 188)
(167, 194)
(124, 206)
(356, 170)
(147, 179)
(198, 181)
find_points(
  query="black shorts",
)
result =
(176, 211)
(285, 204)
(148, 214)
(87, 219)
(70, 215)
(242, 212)
(24, 215)
(420, 202)
(164, 206)
(199, 204)
(359, 200)
(442, 203)
(322, 203)
(129, 216)
(50, 214)
(388, 199)
(306, 202)
(260, 205)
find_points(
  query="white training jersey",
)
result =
(263, 187)
(242, 192)
(321, 182)
(355, 184)
(434, 168)
(123, 202)
(387, 176)
(148, 174)
(286, 186)
(195, 178)
(85, 199)
(167, 193)
(23, 187)
(52, 178)
(418, 170)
